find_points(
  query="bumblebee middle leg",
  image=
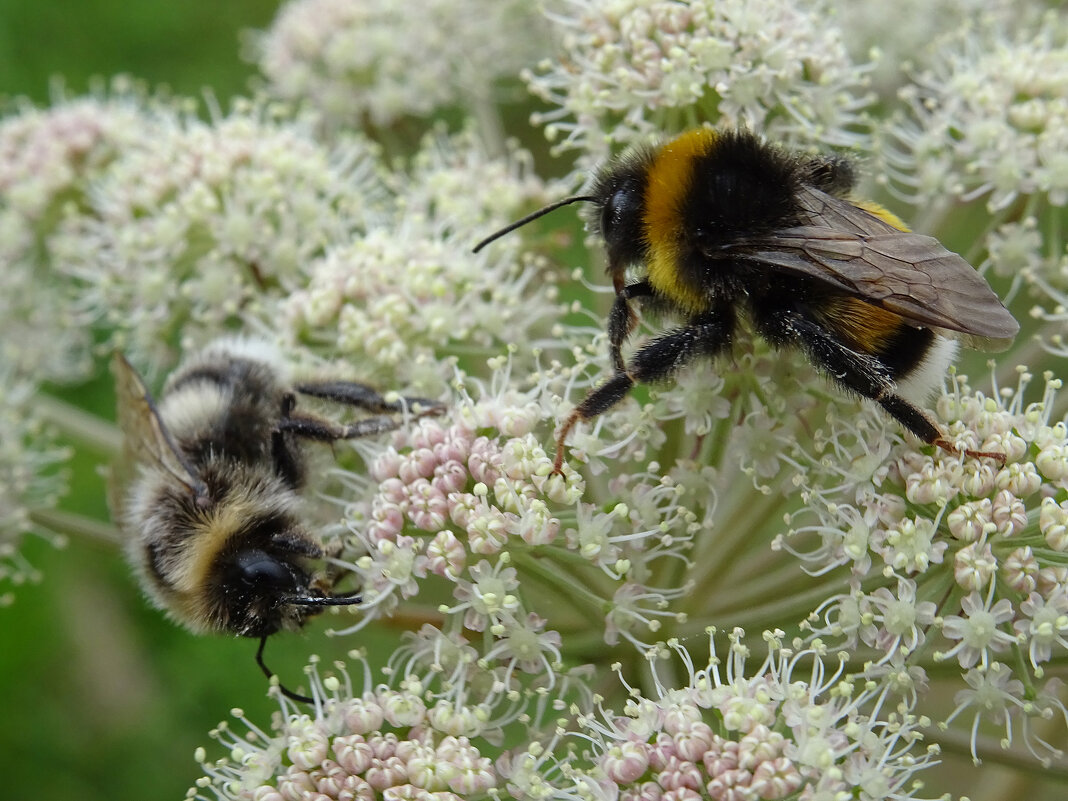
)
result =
(326, 431)
(705, 335)
(316, 428)
(362, 396)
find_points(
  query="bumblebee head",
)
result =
(619, 214)
(257, 585)
(268, 587)
(617, 198)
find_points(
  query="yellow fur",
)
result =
(670, 177)
(862, 325)
(882, 213)
(224, 520)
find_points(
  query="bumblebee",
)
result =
(715, 226)
(210, 503)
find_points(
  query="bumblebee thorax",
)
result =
(669, 186)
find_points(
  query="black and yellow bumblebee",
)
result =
(715, 225)
(209, 488)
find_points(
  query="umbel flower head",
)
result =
(49, 161)
(983, 119)
(406, 299)
(743, 493)
(31, 477)
(793, 727)
(952, 560)
(360, 740)
(631, 69)
(376, 62)
(190, 224)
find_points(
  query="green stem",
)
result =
(583, 600)
(101, 436)
(735, 535)
(771, 615)
(783, 580)
(75, 525)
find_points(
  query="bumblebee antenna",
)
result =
(267, 672)
(345, 599)
(302, 600)
(531, 217)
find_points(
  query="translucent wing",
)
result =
(146, 440)
(907, 273)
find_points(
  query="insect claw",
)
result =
(948, 445)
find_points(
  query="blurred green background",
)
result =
(187, 46)
(101, 697)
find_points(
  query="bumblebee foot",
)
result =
(561, 441)
(423, 407)
(947, 445)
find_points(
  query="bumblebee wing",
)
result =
(146, 440)
(828, 211)
(903, 272)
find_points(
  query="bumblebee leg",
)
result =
(286, 466)
(364, 397)
(862, 373)
(658, 359)
(622, 320)
(916, 421)
(597, 402)
(832, 174)
(326, 431)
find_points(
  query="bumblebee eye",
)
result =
(262, 571)
(622, 204)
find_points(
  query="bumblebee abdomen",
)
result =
(874, 331)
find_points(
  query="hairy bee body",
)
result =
(195, 527)
(712, 227)
(213, 511)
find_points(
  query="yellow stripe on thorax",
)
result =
(669, 180)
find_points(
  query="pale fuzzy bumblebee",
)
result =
(211, 509)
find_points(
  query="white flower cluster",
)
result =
(954, 559)
(312, 219)
(627, 70)
(31, 477)
(986, 118)
(376, 61)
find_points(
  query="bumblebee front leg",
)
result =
(705, 335)
(622, 320)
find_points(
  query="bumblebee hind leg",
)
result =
(862, 373)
